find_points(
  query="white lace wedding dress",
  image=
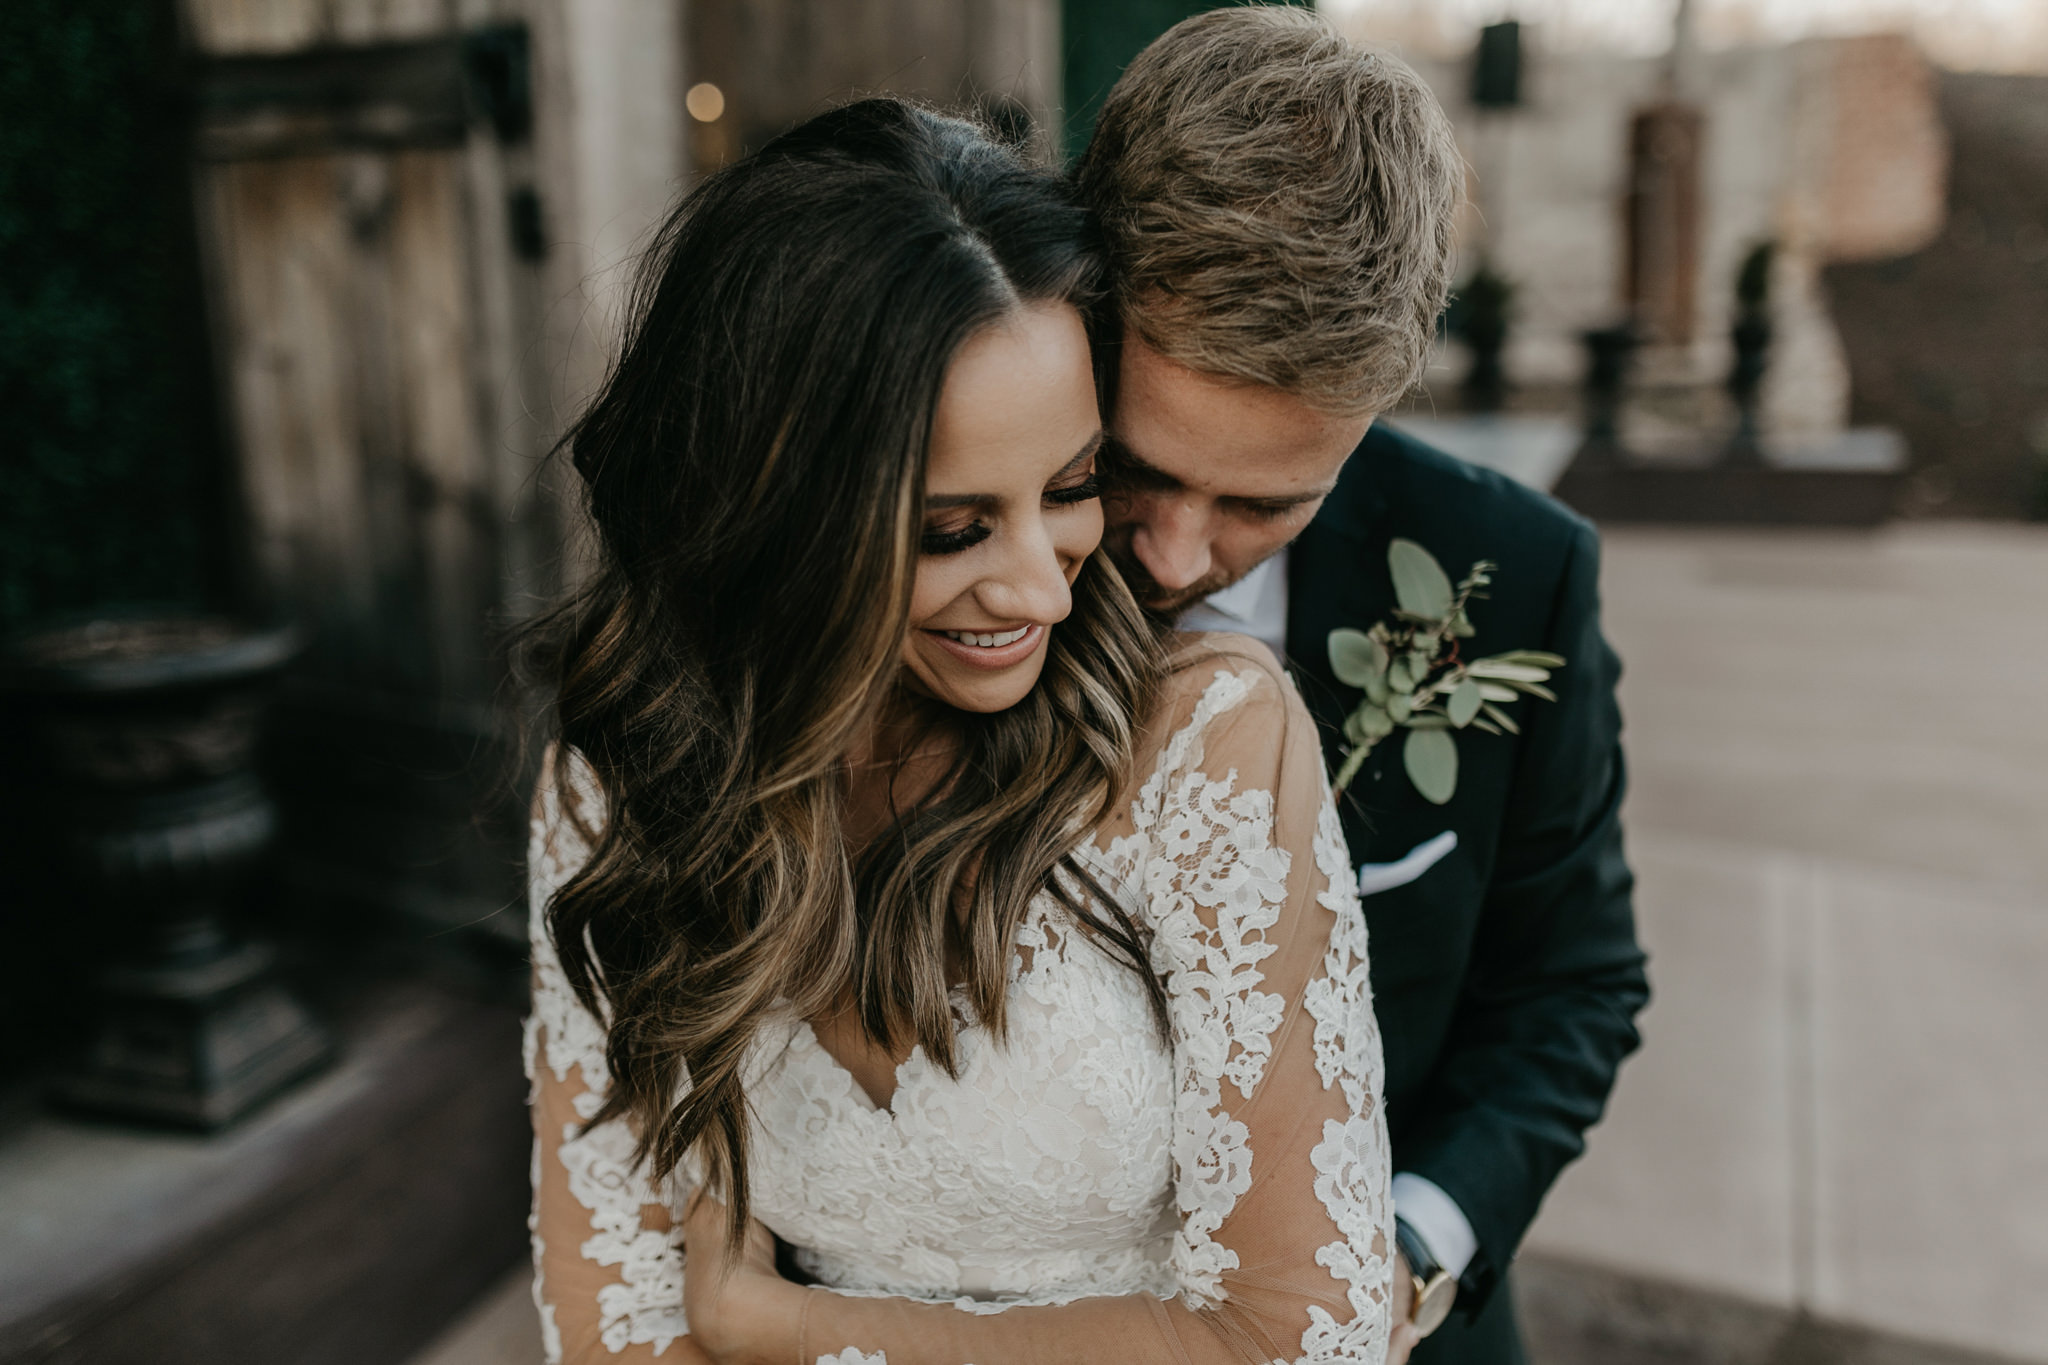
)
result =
(1222, 1197)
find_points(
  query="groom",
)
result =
(1279, 205)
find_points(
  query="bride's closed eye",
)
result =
(939, 541)
(952, 542)
(1080, 490)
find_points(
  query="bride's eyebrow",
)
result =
(941, 501)
(1085, 454)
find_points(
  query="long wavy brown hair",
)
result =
(754, 471)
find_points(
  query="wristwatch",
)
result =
(1435, 1288)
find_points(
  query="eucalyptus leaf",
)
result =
(1429, 720)
(1431, 757)
(1376, 689)
(1354, 727)
(1464, 703)
(1399, 678)
(1420, 584)
(1400, 706)
(1534, 658)
(1507, 672)
(1482, 723)
(1461, 626)
(1502, 719)
(1425, 643)
(1489, 691)
(1356, 657)
(1536, 690)
(1373, 724)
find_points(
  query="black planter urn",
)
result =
(148, 730)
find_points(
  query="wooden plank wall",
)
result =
(389, 381)
(349, 360)
(246, 26)
(780, 61)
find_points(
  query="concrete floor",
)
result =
(1840, 818)
(501, 1328)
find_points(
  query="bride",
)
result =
(897, 889)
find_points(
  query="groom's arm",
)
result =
(1556, 976)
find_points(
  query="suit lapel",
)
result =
(1336, 575)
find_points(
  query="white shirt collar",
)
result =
(1255, 605)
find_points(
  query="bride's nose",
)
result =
(1030, 582)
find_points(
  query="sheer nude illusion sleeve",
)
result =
(608, 1264)
(1280, 1155)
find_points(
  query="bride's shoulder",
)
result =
(568, 812)
(1220, 685)
(1208, 663)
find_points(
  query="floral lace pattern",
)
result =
(645, 1304)
(1038, 1175)
(1080, 1154)
(1351, 1160)
(1213, 885)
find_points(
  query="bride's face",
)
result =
(1010, 509)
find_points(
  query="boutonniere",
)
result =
(1415, 677)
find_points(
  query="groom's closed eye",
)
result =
(1273, 509)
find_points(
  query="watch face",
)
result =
(1433, 1303)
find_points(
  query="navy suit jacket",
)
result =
(1507, 977)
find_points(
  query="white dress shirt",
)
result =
(1256, 605)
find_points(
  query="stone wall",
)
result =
(1950, 344)
(1831, 147)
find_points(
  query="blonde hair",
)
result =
(1279, 205)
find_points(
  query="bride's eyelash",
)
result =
(1090, 487)
(972, 534)
(953, 542)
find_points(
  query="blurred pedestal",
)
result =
(1528, 448)
(1851, 479)
(346, 1224)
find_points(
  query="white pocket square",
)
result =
(1374, 878)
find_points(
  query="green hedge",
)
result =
(109, 487)
(1099, 38)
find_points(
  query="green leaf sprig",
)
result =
(1415, 677)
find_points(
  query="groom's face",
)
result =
(1210, 476)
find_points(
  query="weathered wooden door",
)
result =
(376, 244)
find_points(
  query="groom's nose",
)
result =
(1170, 537)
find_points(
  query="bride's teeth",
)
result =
(980, 641)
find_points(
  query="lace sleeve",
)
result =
(1280, 1141)
(1280, 1155)
(608, 1264)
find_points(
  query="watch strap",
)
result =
(1434, 1289)
(1421, 1260)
